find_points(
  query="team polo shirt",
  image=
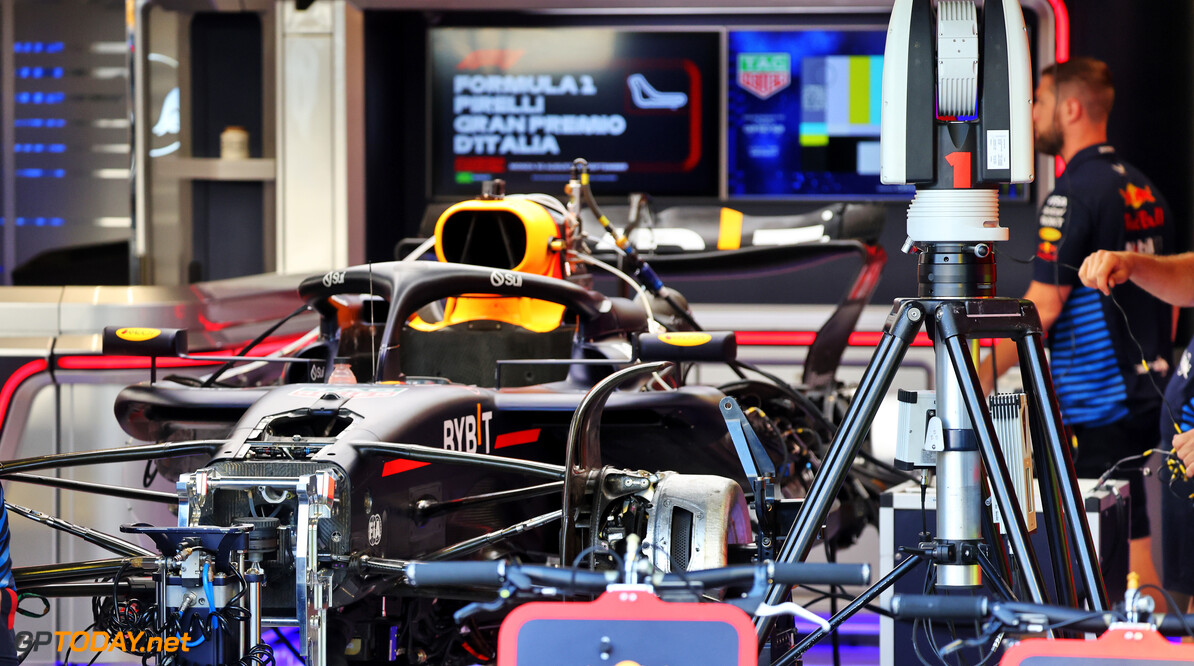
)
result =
(1179, 395)
(6, 579)
(1104, 203)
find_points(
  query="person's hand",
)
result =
(1104, 270)
(1183, 447)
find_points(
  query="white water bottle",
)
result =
(342, 372)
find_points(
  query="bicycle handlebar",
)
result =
(937, 607)
(1009, 612)
(495, 573)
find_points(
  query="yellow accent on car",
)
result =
(540, 257)
(685, 338)
(137, 334)
(729, 233)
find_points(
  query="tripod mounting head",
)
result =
(957, 114)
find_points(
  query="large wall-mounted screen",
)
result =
(643, 107)
(803, 114)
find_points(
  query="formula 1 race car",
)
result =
(488, 405)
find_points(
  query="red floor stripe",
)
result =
(516, 438)
(399, 466)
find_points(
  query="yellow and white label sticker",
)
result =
(685, 338)
(137, 334)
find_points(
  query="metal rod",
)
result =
(1032, 365)
(497, 463)
(853, 607)
(101, 539)
(251, 482)
(893, 344)
(97, 488)
(959, 474)
(255, 606)
(62, 590)
(64, 572)
(477, 543)
(425, 509)
(379, 564)
(119, 454)
(996, 466)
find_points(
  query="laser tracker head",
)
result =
(957, 114)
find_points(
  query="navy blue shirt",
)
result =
(6, 579)
(1179, 395)
(1104, 203)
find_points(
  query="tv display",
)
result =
(522, 103)
(803, 114)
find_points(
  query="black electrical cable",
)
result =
(621, 242)
(1172, 604)
(804, 402)
(1169, 411)
(256, 341)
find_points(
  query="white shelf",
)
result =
(214, 168)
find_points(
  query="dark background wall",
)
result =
(1150, 52)
(1150, 49)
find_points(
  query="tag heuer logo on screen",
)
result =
(764, 74)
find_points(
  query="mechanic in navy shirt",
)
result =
(1099, 203)
(8, 594)
(1172, 280)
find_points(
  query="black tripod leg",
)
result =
(997, 472)
(865, 598)
(1055, 528)
(1041, 393)
(879, 373)
(994, 577)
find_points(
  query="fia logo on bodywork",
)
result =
(374, 529)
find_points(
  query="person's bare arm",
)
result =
(1183, 447)
(1169, 278)
(1049, 300)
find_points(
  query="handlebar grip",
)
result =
(937, 607)
(483, 573)
(803, 573)
(796, 573)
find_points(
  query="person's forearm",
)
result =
(1002, 357)
(1170, 279)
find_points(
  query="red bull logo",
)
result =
(1137, 196)
(1141, 220)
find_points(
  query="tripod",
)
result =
(954, 303)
